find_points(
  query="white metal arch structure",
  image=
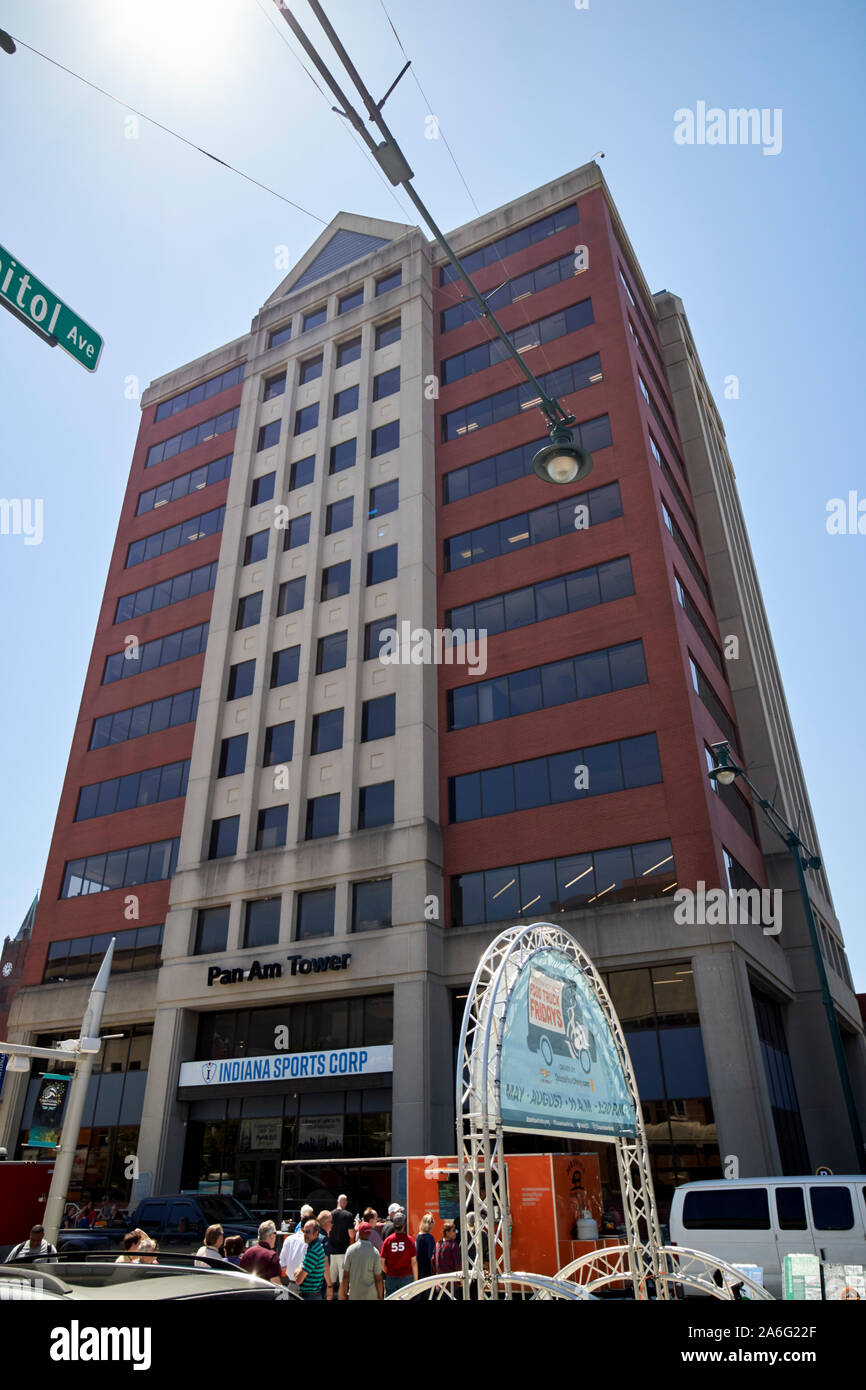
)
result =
(678, 1266)
(541, 1286)
(480, 1155)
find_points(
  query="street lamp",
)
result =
(725, 772)
(560, 461)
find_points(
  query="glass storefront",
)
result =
(236, 1142)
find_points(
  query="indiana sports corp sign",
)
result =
(288, 1066)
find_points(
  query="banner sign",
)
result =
(288, 1066)
(560, 1071)
(47, 1120)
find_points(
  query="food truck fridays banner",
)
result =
(285, 1066)
(560, 1071)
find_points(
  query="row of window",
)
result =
(336, 579)
(135, 789)
(314, 916)
(690, 609)
(314, 318)
(524, 337)
(516, 463)
(197, 434)
(505, 404)
(194, 481)
(660, 424)
(734, 800)
(378, 720)
(685, 550)
(711, 702)
(162, 651)
(339, 516)
(564, 884)
(667, 474)
(375, 808)
(551, 598)
(531, 528)
(558, 777)
(166, 592)
(175, 537)
(149, 718)
(542, 687)
(639, 315)
(512, 242)
(120, 868)
(542, 278)
(382, 439)
(136, 948)
(638, 342)
(330, 656)
(203, 392)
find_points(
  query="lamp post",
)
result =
(560, 461)
(83, 1048)
(725, 772)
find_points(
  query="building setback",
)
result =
(303, 846)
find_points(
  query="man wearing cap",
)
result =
(362, 1269)
(388, 1226)
(399, 1256)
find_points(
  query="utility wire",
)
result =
(500, 258)
(404, 213)
(168, 131)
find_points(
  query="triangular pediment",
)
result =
(346, 239)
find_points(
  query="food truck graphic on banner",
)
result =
(556, 1023)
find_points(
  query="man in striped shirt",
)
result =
(310, 1275)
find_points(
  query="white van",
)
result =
(759, 1221)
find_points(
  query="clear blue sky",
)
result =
(168, 255)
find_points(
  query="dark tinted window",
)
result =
(373, 635)
(241, 679)
(376, 805)
(268, 435)
(316, 913)
(382, 565)
(831, 1208)
(327, 731)
(279, 743)
(280, 335)
(307, 418)
(262, 922)
(343, 455)
(302, 472)
(378, 718)
(331, 652)
(339, 515)
(349, 352)
(233, 755)
(311, 370)
(384, 498)
(385, 438)
(731, 1208)
(271, 827)
(223, 837)
(323, 816)
(297, 532)
(274, 386)
(386, 383)
(371, 905)
(345, 401)
(389, 282)
(388, 333)
(284, 666)
(249, 610)
(790, 1209)
(212, 930)
(315, 317)
(336, 580)
(291, 596)
(350, 301)
(263, 489)
(256, 547)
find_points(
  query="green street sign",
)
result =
(39, 307)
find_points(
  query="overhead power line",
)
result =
(174, 133)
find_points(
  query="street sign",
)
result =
(39, 307)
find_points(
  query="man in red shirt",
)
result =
(398, 1256)
(262, 1259)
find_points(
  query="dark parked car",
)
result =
(176, 1221)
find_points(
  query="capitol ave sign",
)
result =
(273, 970)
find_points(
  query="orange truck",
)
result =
(23, 1194)
(546, 1195)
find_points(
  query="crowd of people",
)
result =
(330, 1255)
(339, 1255)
